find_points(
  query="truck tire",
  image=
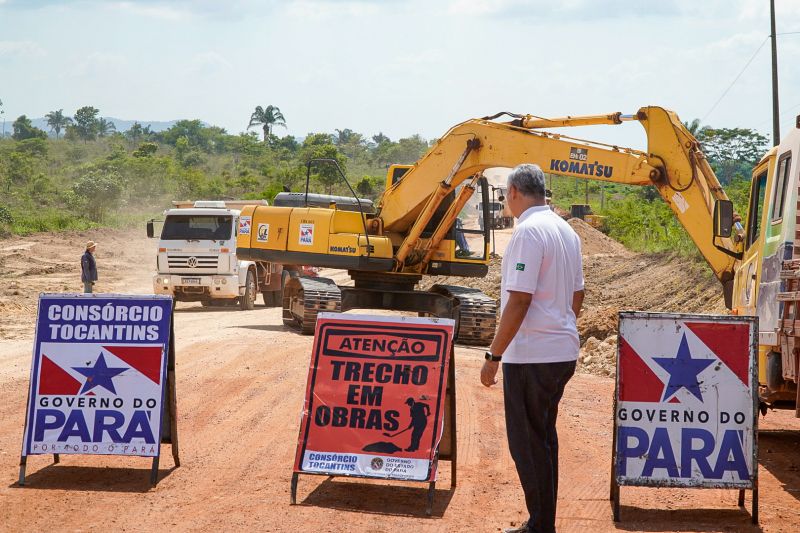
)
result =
(247, 302)
(272, 298)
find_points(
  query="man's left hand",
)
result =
(489, 373)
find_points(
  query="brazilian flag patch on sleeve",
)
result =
(520, 266)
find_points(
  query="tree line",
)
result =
(88, 170)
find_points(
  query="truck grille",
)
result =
(191, 261)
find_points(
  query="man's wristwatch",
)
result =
(491, 357)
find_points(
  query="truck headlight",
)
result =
(165, 281)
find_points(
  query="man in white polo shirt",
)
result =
(537, 339)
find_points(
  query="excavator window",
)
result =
(781, 180)
(757, 194)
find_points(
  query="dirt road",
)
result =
(240, 389)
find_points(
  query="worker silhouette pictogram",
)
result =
(419, 421)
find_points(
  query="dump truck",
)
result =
(197, 260)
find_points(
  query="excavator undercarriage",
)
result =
(475, 313)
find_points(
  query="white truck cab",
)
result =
(197, 257)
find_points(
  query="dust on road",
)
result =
(240, 379)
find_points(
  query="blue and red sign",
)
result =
(686, 400)
(98, 375)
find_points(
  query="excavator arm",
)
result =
(673, 163)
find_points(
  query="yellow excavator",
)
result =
(416, 229)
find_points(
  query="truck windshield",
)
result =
(196, 227)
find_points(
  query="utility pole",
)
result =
(776, 125)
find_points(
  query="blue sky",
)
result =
(400, 67)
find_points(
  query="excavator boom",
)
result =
(673, 163)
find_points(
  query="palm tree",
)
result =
(135, 132)
(694, 127)
(105, 127)
(267, 119)
(57, 121)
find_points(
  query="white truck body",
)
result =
(197, 256)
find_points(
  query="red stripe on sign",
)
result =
(145, 359)
(637, 383)
(56, 380)
(729, 342)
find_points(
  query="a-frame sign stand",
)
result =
(448, 445)
(169, 417)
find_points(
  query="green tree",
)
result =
(181, 148)
(36, 147)
(192, 130)
(732, 151)
(134, 133)
(145, 150)
(694, 127)
(86, 123)
(380, 138)
(105, 127)
(23, 129)
(319, 146)
(19, 168)
(365, 186)
(267, 119)
(98, 191)
(57, 121)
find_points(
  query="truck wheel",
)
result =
(247, 302)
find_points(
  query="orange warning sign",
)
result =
(374, 402)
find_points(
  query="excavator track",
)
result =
(476, 314)
(304, 298)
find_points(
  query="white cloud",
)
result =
(208, 64)
(737, 42)
(20, 48)
(322, 9)
(99, 65)
(159, 11)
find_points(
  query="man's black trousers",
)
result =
(532, 393)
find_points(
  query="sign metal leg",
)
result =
(293, 495)
(754, 515)
(154, 472)
(173, 419)
(431, 492)
(741, 498)
(453, 434)
(23, 461)
(56, 458)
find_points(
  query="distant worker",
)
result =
(461, 239)
(89, 267)
(537, 339)
(419, 421)
(548, 198)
